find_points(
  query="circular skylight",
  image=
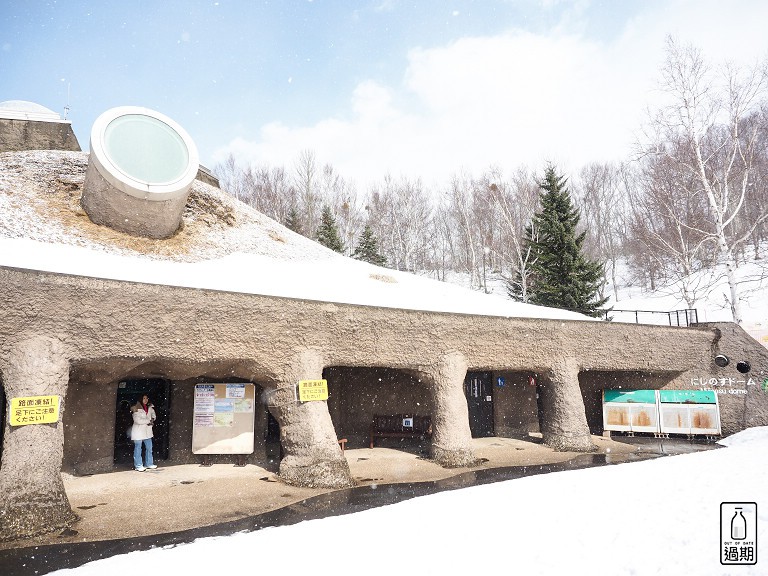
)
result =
(146, 149)
(143, 153)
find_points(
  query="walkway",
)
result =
(127, 510)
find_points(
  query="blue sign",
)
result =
(500, 381)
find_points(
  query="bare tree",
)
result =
(603, 204)
(669, 221)
(459, 203)
(306, 182)
(347, 208)
(401, 216)
(229, 175)
(706, 113)
(514, 204)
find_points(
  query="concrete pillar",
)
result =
(311, 453)
(564, 422)
(32, 496)
(451, 437)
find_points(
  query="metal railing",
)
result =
(685, 317)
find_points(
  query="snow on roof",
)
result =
(223, 245)
(24, 110)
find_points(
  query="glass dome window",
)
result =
(143, 153)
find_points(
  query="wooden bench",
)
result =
(393, 426)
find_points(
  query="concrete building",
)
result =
(72, 328)
(29, 126)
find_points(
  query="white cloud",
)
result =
(511, 99)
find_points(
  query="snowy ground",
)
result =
(659, 516)
(710, 287)
(654, 517)
(223, 245)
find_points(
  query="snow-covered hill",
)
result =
(711, 305)
(223, 245)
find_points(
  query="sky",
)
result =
(660, 516)
(423, 89)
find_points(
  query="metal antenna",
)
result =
(66, 108)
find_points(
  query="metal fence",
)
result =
(685, 317)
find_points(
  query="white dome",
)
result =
(24, 110)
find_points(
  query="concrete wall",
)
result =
(89, 429)
(16, 135)
(113, 330)
(593, 382)
(356, 394)
(515, 409)
(743, 398)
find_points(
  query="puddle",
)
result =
(44, 559)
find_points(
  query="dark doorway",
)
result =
(478, 389)
(540, 404)
(128, 393)
(273, 448)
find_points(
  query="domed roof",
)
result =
(24, 110)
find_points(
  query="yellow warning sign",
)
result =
(310, 390)
(34, 410)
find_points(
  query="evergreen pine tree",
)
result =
(367, 248)
(327, 232)
(561, 276)
(293, 222)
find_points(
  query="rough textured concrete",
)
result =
(194, 496)
(32, 496)
(111, 331)
(17, 135)
(108, 206)
(312, 455)
(743, 397)
(451, 436)
(564, 419)
(356, 394)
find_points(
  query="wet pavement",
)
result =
(38, 560)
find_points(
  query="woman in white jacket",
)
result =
(141, 433)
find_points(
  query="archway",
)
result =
(129, 392)
(356, 394)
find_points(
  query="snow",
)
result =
(338, 279)
(712, 305)
(42, 228)
(712, 294)
(654, 517)
(659, 516)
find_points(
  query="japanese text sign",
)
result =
(310, 390)
(34, 410)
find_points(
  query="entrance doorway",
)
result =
(478, 389)
(129, 392)
(272, 446)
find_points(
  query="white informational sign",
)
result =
(235, 390)
(223, 419)
(205, 394)
(407, 422)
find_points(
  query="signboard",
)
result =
(661, 411)
(630, 411)
(310, 390)
(688, 396)
(689, 412)
(223, 419)
(34, 410)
